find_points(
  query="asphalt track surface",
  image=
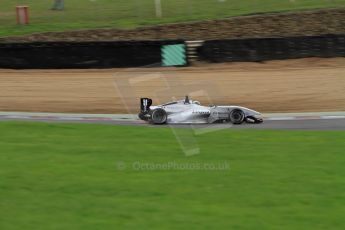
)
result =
(301, 121)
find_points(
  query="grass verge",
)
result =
(134, 13)
(68, 176)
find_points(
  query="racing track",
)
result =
(296, 121)
(300, 85)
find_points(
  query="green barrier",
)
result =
(174, 55)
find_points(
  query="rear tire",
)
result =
(237, 116)
(158, 116)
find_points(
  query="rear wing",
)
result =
(145, 104)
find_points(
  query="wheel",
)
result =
(237, 116)
(159, 116)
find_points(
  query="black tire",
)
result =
(237, 116)
(159, 116)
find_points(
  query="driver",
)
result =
(186, 100)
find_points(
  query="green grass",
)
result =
(133, 13)
(65, 176)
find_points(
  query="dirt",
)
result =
(277, 86)
(301, 23)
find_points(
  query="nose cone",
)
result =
(251, 112)
(254, 114)
(258, 115)
(259, 118)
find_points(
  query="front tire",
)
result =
(159, 116)
(237, 116)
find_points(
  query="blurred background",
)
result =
(77, 14)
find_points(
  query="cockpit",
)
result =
(170, 103)
(186, 101)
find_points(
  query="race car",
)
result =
(192, 112)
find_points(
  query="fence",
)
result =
(63, 55)
(262, 49)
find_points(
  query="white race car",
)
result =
(188, 111)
